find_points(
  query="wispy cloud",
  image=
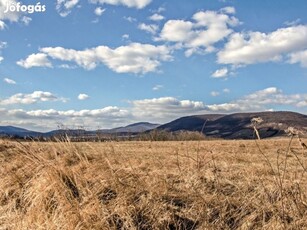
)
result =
(130, 19)
(2, 46)
(149, 28)
(139, 4)
(157, 87)
(215, 93)
(9, 81)
(64, 7)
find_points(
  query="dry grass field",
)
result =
(212, 184)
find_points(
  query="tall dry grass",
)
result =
(154, 185)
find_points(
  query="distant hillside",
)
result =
(15, 131)
(129, 129)
(134, 128)
(190, 123)
(238, 125)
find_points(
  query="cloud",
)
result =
(134, 58)
(9, 81)
(66, 66)
(293, 23)
(260, 101)
(64, 7)
(228, 10)
(165, 108)
(2, 25)
(200, 34)
(148, 28)
(160, 9)
(214, 93)
(2, 46)
(220, 73)
(10, 15)
(254, 47)
(157, 87)
(130, 19)
(35, 60)
(226, 90)
(26, 20)
(99, 11)
(125, 36)
(35, 97)
(156, 17)
(50, 119)
(302, 103)
(139, 4)
(299, 57)
(83, 96)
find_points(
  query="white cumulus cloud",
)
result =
(299, 57)
(220, 73)
(260, 101)
(11, 16)
(165, 108)
(83, 96)
(255, 47)
(50, 119)
(200, 34)
(133, 58)
(8, 16)
(36, 96)
(35, 60)
(156, 17)
(99, 11)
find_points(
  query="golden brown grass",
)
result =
(154, 185)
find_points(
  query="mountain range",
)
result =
(238, 125)
(226, 126)
(132, 128)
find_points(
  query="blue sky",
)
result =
(107, 63)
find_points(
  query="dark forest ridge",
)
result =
(238, 125)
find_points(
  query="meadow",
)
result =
(208, 184)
